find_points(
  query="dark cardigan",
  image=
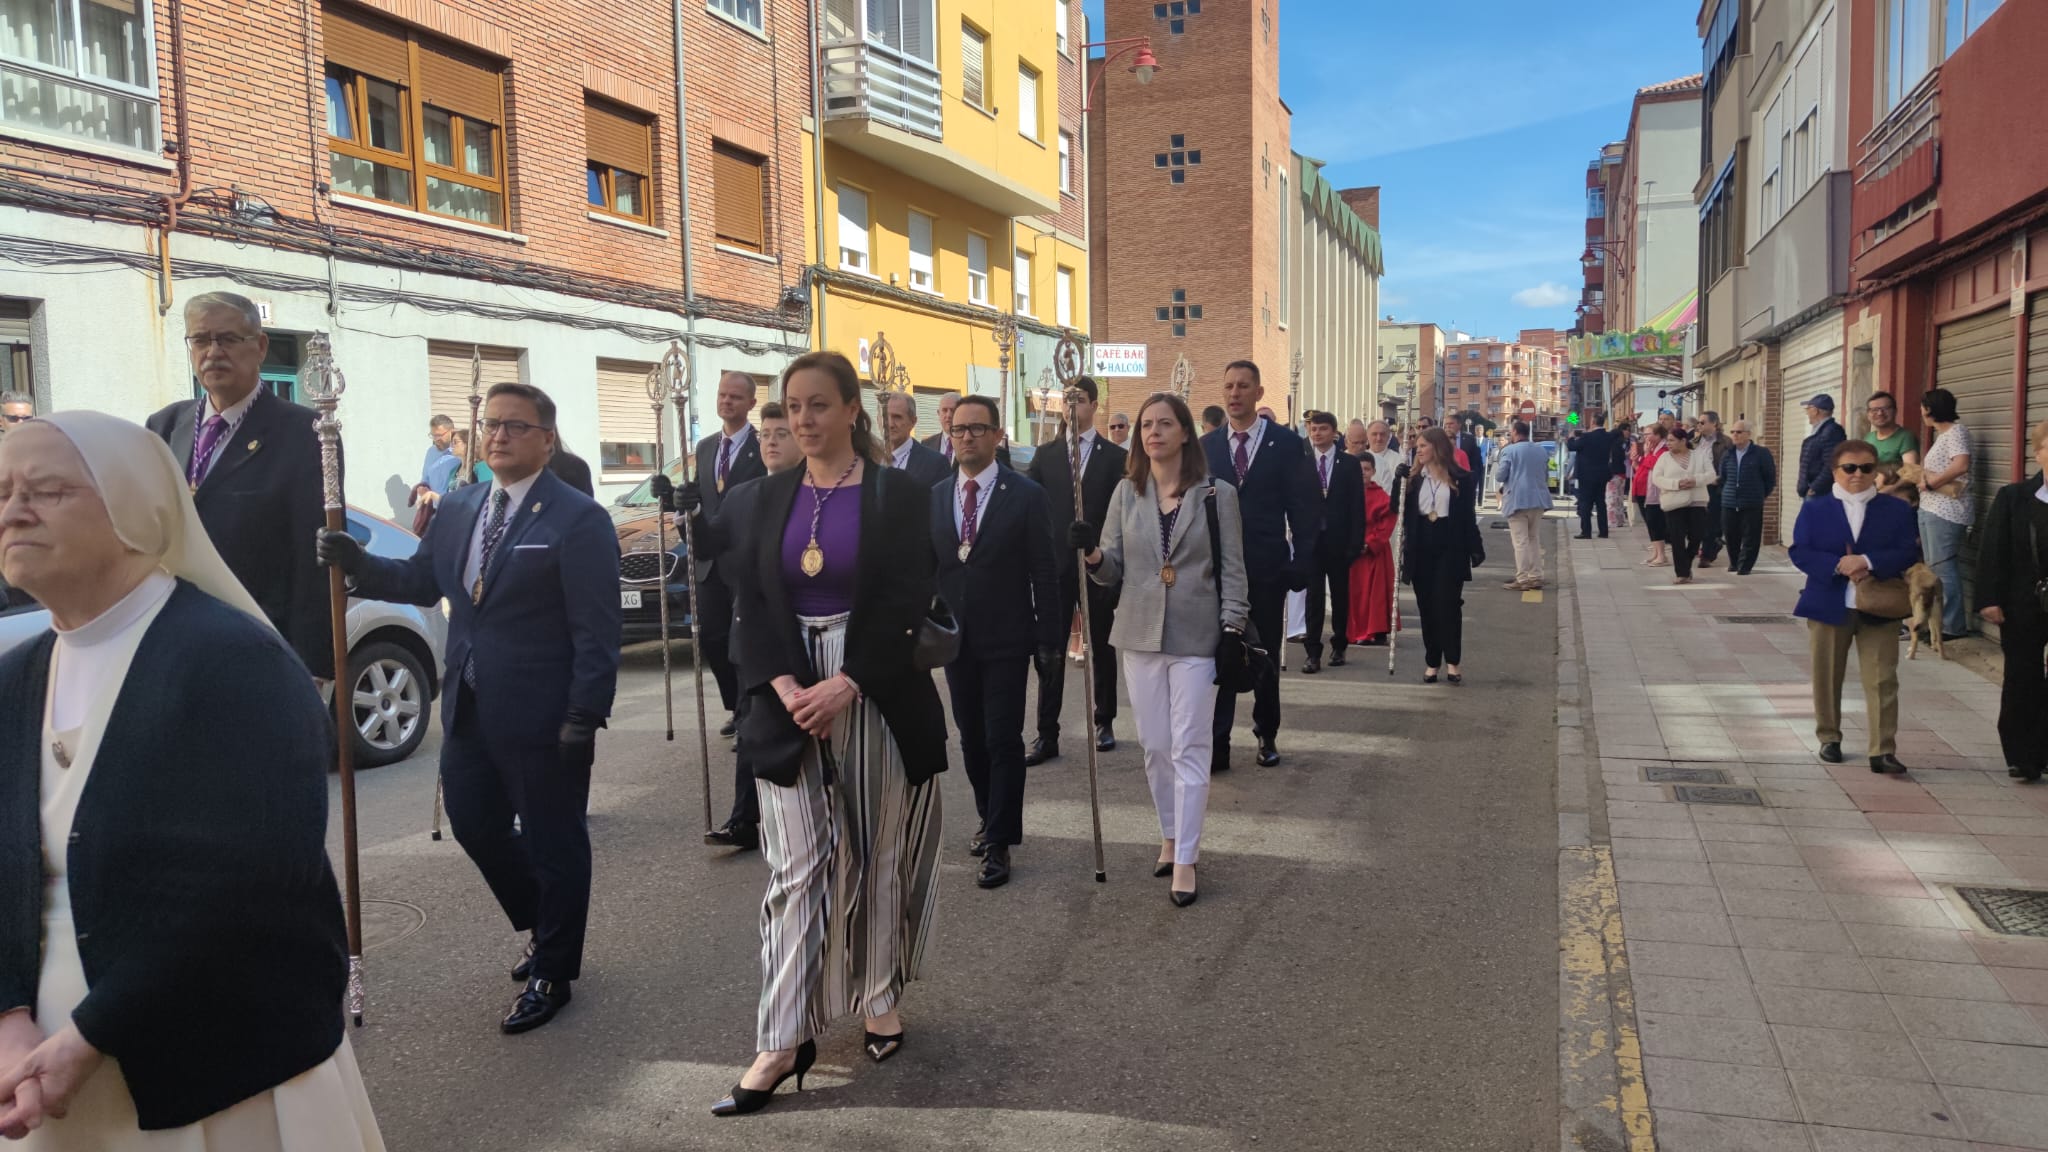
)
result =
(207, 916)
(893, 585)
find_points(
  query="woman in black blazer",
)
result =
(171, 943)
(844, 729)
(1440, 545)
(2012, 592)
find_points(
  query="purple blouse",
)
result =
(830, 592)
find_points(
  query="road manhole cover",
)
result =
(387, 922)
(1758, 619)
(1711, 794)
(1661, 775)
(2012, 911)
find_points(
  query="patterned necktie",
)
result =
(1243, 458)
(210, 435)
(946, 446)
(969, 490)
(494, 531)
(724, 460)
(1323, 471)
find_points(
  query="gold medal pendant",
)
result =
(964, 550)
(1166, 575)
(813, 561)
(721, 484)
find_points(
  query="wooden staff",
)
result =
(324, 385)
(1067, 362)
(465, 473)
(675, 376)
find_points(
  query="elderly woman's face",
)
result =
(53, 525)
(1856, 471)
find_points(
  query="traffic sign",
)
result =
(1528, 409)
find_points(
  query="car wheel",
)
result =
(390, 703)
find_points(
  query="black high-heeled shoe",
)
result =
(740, 1101)
(1429, 677)
(1165, 867)
(880, 1047)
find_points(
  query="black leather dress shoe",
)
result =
(732, 725)
(1337, 658)
(1105, 738)
(745, 837)
(537, 1005)
(1886, 763)
(1311, 666)
(1040, 751)
(524, 968)
(1831, 752)
(1582, 535)
(979, 844)
(995, 867)
(1268, 754)
(1219, 759)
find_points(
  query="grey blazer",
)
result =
(1184, 620)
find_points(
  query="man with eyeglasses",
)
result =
(1896, 445)
(1120, 429)
(253, 462)
(942, 441)
(15, 408)
(529, 568)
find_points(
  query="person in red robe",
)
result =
(1372, 574)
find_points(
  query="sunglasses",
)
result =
(1854, 469)
(1119, 427)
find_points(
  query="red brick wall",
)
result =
(1072, 217)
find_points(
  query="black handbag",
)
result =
(938, 638)
(1241, 664)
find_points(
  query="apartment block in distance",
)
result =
(951, 191)
(434, 183)
(1494, 378)
(1411, 369)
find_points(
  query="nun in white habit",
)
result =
(172, 956)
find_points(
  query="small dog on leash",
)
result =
(1910, 474)
(1923, 590)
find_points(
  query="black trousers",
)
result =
(1592, 505)
(1744, 529)
(714, 600)
(746, 803)
(1440, 601)
(1682, 530)
(1337, 576)
(1052, 688)
(2023, 702)
(1269, 616)
(988, 707)
(1710, 529)
(539, 872)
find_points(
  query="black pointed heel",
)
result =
(741, 1101)
(1429, 677)
(1165, 867)
(880, 1047)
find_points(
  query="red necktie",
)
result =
(968, 490)
(1243, 459)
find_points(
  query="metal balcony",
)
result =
(869, 81)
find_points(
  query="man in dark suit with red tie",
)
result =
(726, 459)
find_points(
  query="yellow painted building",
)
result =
(950, 186)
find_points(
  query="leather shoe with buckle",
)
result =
(979, 844)
(1040, 751)
(995, 867)
(1831, 751)
(1268, 754)
(524, 968)
(537, 1005)
(1886, 763)
(1105, 738)
(1311, 666)
(745, 837)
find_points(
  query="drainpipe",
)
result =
(184, 194)
(685, 436)
(818, 164)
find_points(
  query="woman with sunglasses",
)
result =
(1853, 535)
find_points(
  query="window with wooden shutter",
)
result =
(626, 421)
(619, 147)
(738, 180)
(973, 53)
(448, 377)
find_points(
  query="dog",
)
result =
(1911, 474)
(1923, 591)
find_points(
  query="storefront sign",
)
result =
(1119, 359)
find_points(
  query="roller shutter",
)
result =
(616, 137)
(448, 376)
(1974, 360)
(626, 420)
(461, 82)
(363, 43)
(2037, 367)
(1810, 363)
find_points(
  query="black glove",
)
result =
(1402, 469)
(340, 550)
(1047, 661)
(663, 490)
(1083, 536)
(578, 739)
(1297, 577)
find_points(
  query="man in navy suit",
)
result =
(993, 536)
(726, 459)
(530, 570)
(1277, 496)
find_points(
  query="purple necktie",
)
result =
(210, 435)
(1323, 472)
(968, 491)
(1243, 459)
(724, 460)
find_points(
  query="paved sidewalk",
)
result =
(1804, 976)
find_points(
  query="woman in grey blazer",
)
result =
(1180, 594)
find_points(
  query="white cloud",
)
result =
(1548, 294)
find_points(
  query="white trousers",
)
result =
(1174, 700)
(1526, 528)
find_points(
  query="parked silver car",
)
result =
(395, 653)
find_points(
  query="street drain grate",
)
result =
(1757, 619)
(389, 921)
(2010, 911)
(1712, 794)
(1661, 775)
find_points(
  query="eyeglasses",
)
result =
(228, 341)
(1880, 408)
(1853, 469)
(512, 428)
(16, 418)
(39, 499)
(1119, 427)
(967, 431)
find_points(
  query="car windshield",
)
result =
(642, 495)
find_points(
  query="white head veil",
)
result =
(149, 502)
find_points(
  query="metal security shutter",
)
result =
(448, 376)
(928, 409)
(2037, 367)
(626, 421)
(1809, 364)
(1974, 359)
(14, 320)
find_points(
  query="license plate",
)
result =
(629, 599)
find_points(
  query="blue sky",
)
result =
(1477, 118)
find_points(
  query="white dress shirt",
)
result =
(1326, 465)
(1087, 449)
(1254, 436)
(1433, 496)
(985, 483)
(472, 567)
(1854, 506)
(233, 414)
(901, 456)
(1384, 464)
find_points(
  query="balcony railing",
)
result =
(869, 81)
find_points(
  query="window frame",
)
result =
(930, 254)
(1066, 153)
(978, 279)
(1021, 273)
(730, 10)
(78, 77)
(608, 174)
(979, 100)
(1030, 107)
(1061, 29)
(867, 230)
(1063, 296)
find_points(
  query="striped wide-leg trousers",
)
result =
(853, 872)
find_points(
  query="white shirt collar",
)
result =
(234, 413)
(2041, 493)
(902, 453)
(518, 489)
(739, 438)
(984, 479)
(1254, 435)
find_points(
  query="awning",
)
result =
(1655, 351)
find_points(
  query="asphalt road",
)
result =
(1372, 963)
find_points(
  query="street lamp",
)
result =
(1047, 402)
(1143, 63)
(1596, 254)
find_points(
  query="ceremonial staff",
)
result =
(1005, 334)
(1183, 380)
(674, 375)
(889, 375)
(1066, 359)
(1400, 535)
(465, 472)
(657, 395)
(324, 386)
